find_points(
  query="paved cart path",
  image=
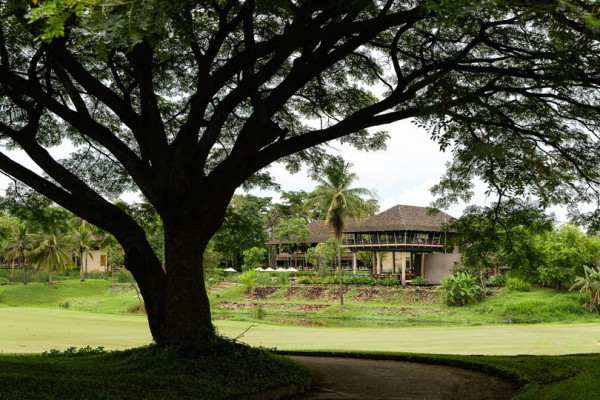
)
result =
(349, 378)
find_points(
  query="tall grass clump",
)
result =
(124, 276)
(283, 279)
(263, 279)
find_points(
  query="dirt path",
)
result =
(350, 378)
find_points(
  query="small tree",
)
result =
(254, 258)
(291, 233)
(322, 256)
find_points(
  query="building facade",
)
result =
(404, 241)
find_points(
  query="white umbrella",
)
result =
(229, 270)
(292, 269)
(269, 269)
(259, 269)
(280, 269)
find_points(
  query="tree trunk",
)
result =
(145, 267)
(24, 274)
(50, 280)
(187, 317)
(341, 273)
(81, 271)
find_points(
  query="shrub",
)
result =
(64, 304)
(304, 281)
(589, 285)
(391, 281)
(518, 285)
(248, 277)
(498, 280)
(419, 280)
(363, 280)
(460, 289)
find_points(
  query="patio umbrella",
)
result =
(292, 269)
(229, 270)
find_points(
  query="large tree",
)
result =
(185, 101)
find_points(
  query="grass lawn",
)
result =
(33, 330)
(217, 370)
(40, 317)
(401, 306)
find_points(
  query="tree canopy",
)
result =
(186, 101)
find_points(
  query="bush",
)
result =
(419, 280)
(391, 281)
(589, 287)
(460, 289)
(518, 285)
(248, 277)
(304, 281)
(498, 280)
(363, 280)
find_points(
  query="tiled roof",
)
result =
(397, 218)
(403, 218)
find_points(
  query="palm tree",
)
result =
(83, 240)
(335, 201)
(52, 253)
(18, 248)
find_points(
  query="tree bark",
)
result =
(146, 269)
(187, 317)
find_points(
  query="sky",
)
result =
(402, 174)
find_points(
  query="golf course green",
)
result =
(34, 330)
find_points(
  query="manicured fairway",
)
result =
(32, 330)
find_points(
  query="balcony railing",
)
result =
(387, 239)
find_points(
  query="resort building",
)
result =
(404, 241)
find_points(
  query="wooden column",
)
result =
(374, 269)
(393, 262)
(354, 263)
(423, 265)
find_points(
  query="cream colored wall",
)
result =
(94, 263)
(437, 266)
(388, 262)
